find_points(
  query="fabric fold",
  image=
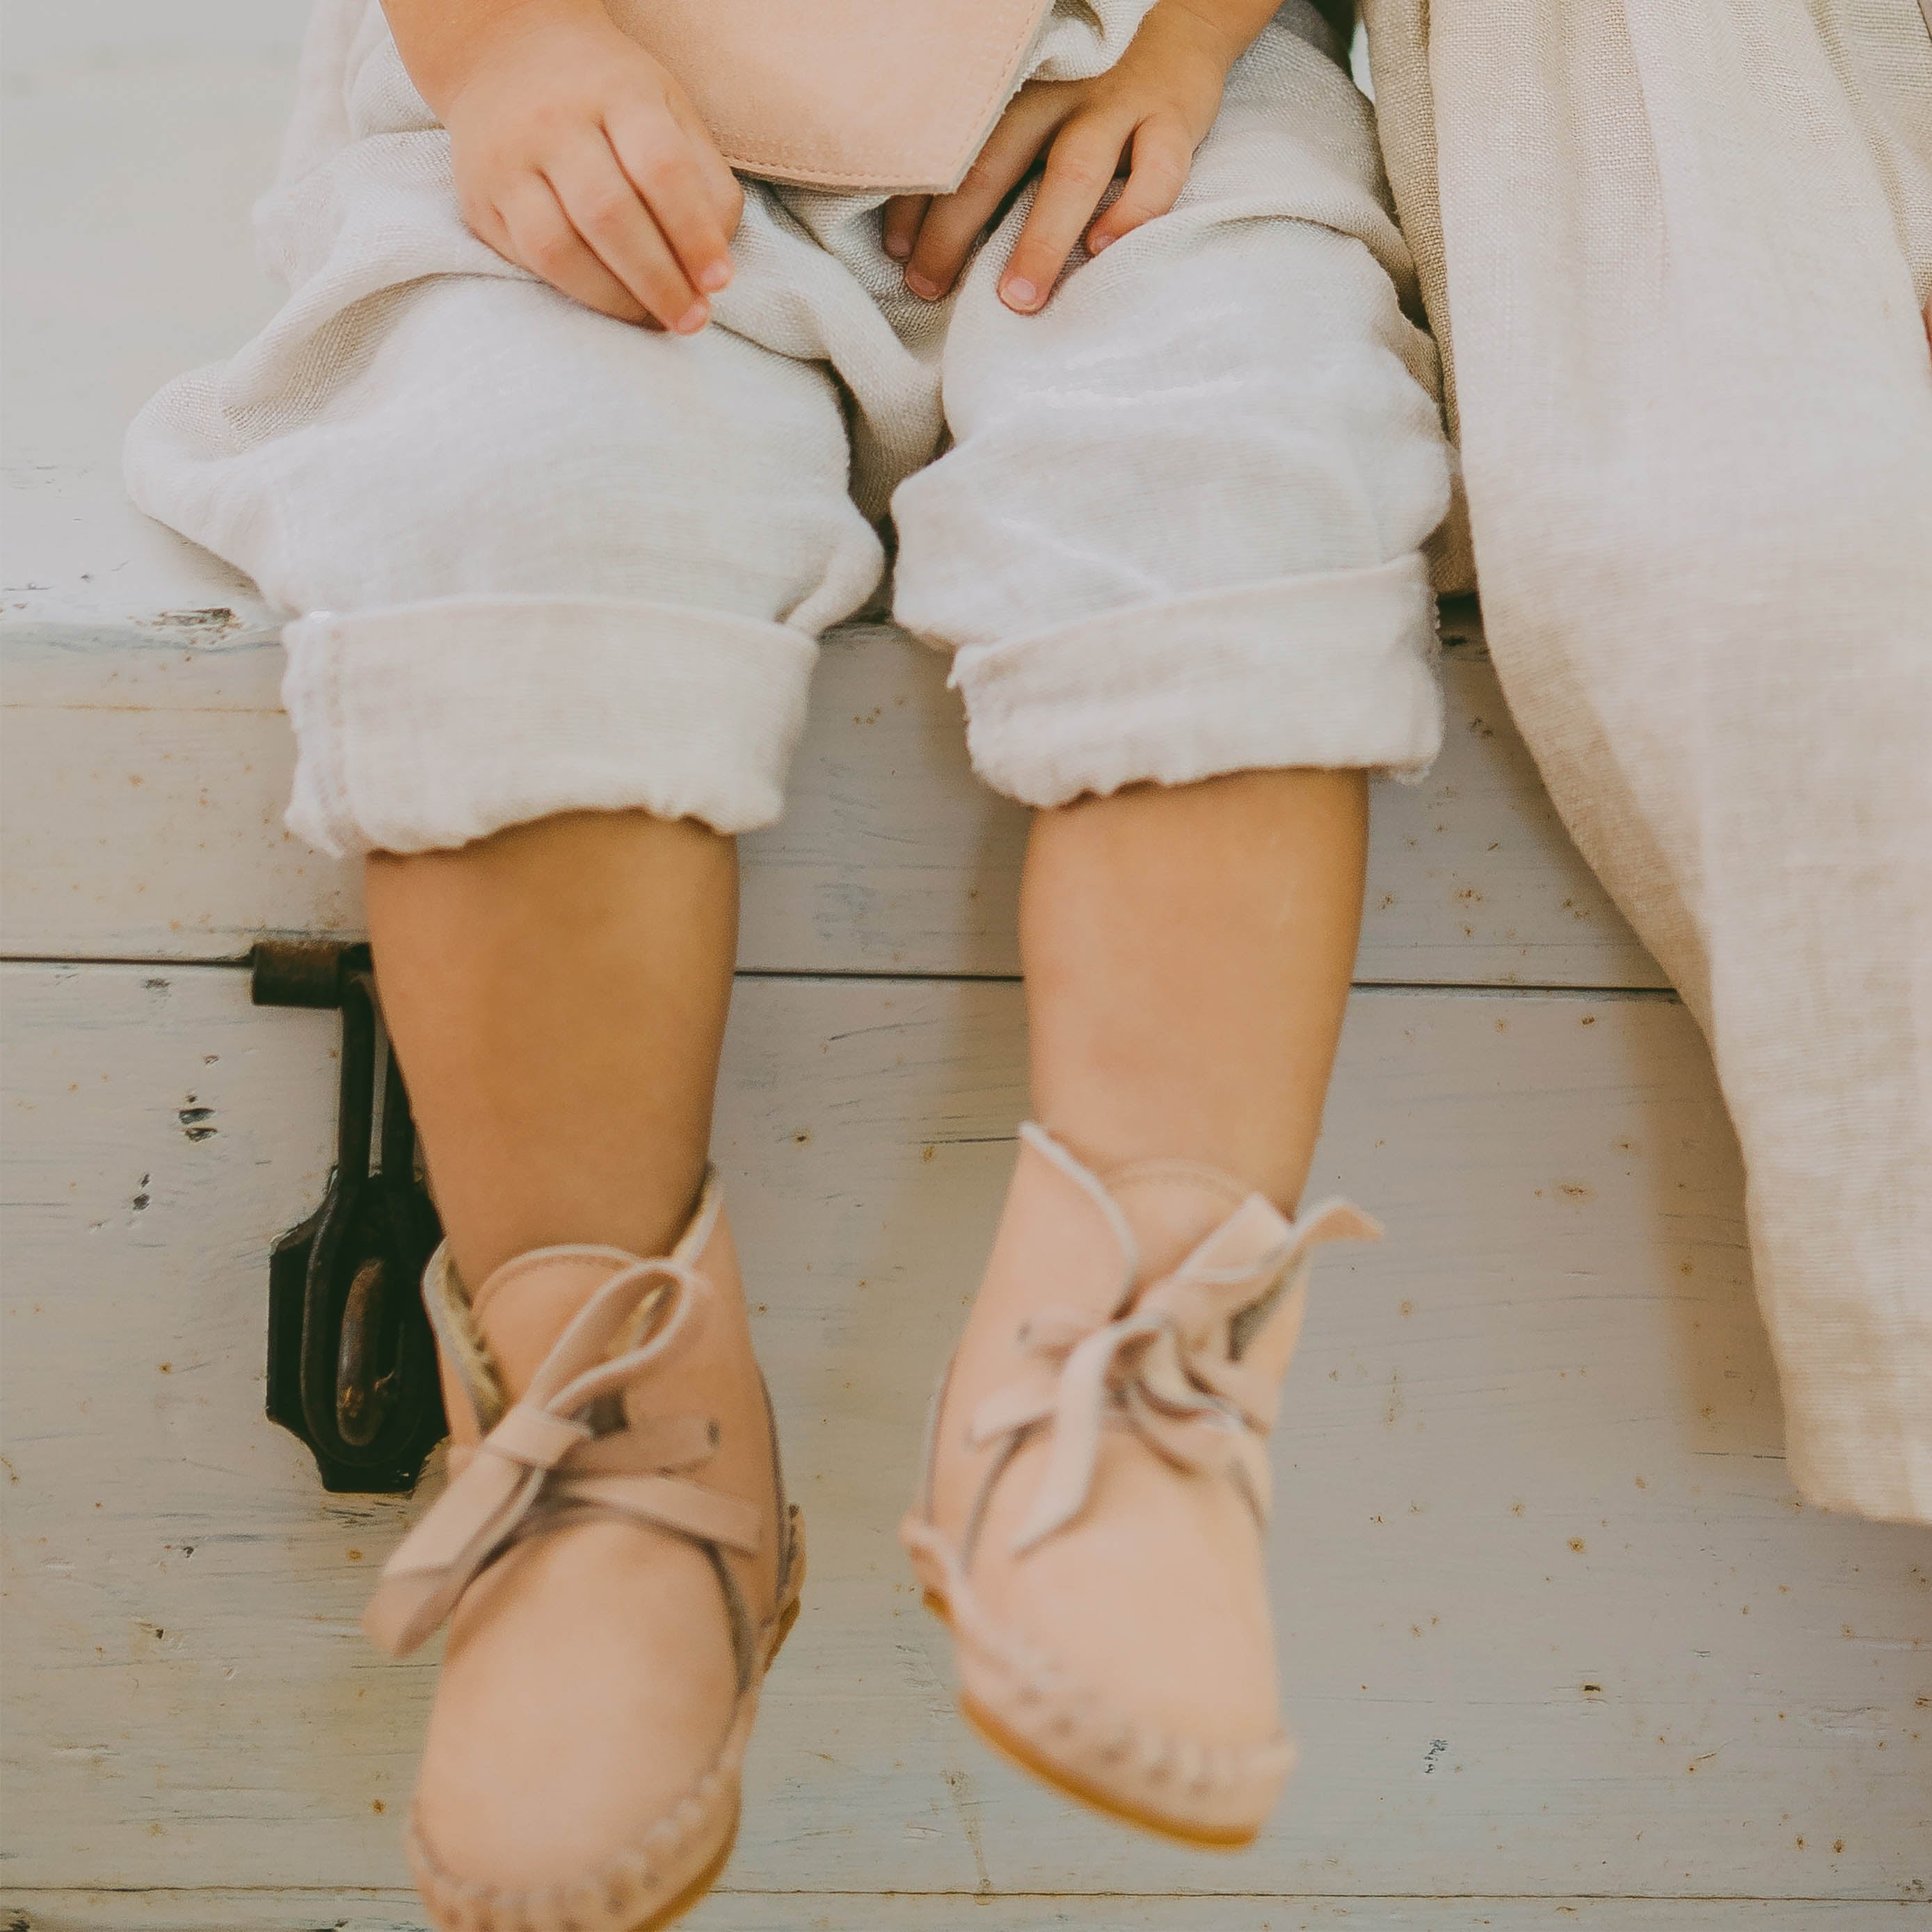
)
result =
(423, 727)
(1333, 670)
(1688, 250)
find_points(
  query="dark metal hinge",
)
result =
(351, 1362)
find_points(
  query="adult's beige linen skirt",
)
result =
(1677, 256)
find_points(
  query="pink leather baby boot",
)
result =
(1097, 1486)
(618, 1566)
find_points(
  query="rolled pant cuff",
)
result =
(1332, 671)
(424, 726)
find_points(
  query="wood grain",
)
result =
(1552, 1620)
(848, 1912)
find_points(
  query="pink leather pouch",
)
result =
(891, 95)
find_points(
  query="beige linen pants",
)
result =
(1681, 252)
(542, 560)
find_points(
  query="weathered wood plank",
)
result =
(143, 728)
(1553, 1621)
(130, 759)
(128, 258)
(848, 1912)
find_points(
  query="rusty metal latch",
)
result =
(351, 1362)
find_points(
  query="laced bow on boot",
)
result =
(1166, 1365)
(577, 1443)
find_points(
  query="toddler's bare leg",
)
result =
(557, 995)
(1187, 953)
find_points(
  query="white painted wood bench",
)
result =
(1561, 1644)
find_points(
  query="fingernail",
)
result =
(923, 286)
(1095, 243)
(715, 277)
(693, 318)
(1020, 293)
(898, 247)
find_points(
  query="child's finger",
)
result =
(658, 162)
(955, 221)
(1162, 156)
(486, 222)
(540, 237)
(603, 208)
(726, 191)
(1078, 170)
(899, 225)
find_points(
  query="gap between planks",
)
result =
(316, 1910)
(1480, 989)
(379, 1895)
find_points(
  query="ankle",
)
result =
(1263, 1150)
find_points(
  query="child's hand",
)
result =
(1146, 116)
(578, 157)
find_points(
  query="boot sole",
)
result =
(1024, 1756)
(696, 1890)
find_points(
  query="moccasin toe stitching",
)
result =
(1191, 1783)
(638, 1879)
(613, 1900)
